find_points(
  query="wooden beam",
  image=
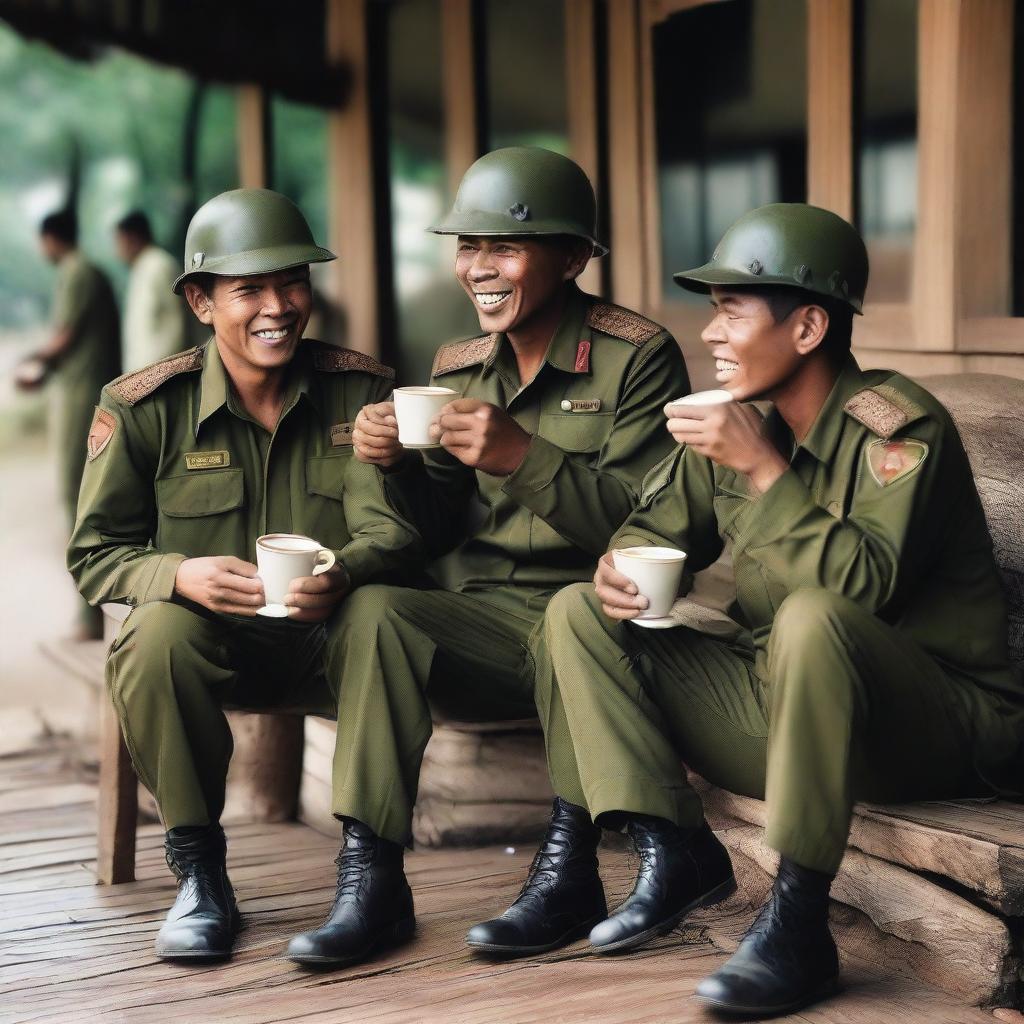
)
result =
(626, 145)
(984, 155)
(830, 105)
(253, 155)
(353, 179)
(118, 802)
(459, 76)
(581, 103)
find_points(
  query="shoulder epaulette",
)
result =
(133, 387)
(459, 354)
(622, 323)
(332, 359)
(883, 409)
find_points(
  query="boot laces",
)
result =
(352, 864)
(543, 875)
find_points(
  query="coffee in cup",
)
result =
(283, 557)
(656, 573)
(416, 408)
(719, 396)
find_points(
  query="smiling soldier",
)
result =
(541, 459)
(189, 461)
(875, 662)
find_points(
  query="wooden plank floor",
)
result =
(73, 951)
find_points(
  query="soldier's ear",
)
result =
(200, 303)
(577, 257)
(810, 324)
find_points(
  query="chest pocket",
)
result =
(577, 432)
(202, 513)
(325, 474)
(203, 493)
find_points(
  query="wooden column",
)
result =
(962, 259)
(626, 181)
(462, 121)
(253, 148)
(830, 105)
(581, 103)
(351, 180)
(118, 808)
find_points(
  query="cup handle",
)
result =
(324, 560)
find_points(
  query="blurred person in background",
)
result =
(82, 354)
(154, 323)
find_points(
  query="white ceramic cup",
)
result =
(656, 573)
(283, 557)
(717, 397)
(415, 409)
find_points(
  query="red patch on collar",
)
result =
(583, 357)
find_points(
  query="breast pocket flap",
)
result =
(202, 493)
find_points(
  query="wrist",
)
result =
(766, 472)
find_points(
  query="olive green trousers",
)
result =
(838, 707)
(173, 670)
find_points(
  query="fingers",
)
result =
(456, 420)
(689, 412)
(462, 405)
(236, 566)
(617, 593)
(381, 414)
(458, 438)
(323, 583)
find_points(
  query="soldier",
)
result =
(82, 354)
(541, 459)
(875, 662)
(154, 316)
(190, 460)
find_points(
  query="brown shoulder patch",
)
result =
(100, 433)
(880, 415)
(459, 354)
(622, 323)
(133, 387)
(332, 359)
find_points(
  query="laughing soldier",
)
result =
(540, 461)
(874, 665)
(189, 461)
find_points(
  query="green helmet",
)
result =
(522, 191)
(248, 231)
(788, 244)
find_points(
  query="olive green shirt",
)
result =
(83, 302)
(906, 539)
(177, 469)
(594, 409)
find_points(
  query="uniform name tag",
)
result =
(581, 405)
(341, 433)
(206, 460)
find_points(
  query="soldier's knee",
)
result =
(810, 613)
(368, 604)
(572, 609)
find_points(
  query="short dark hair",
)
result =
(783, 300)
(136, 224)
(62, 224)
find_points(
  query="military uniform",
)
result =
(594, 410)
(177, 470)
(84, 304)
(875, 666)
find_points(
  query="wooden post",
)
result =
(462, 122)
(118, 802)
(581, 103)
(253, 155)
(626, 181)
(352, 180)
(830, 105)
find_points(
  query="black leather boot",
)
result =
(562, 898)
(680, 869)
(372, 908)
(204, 920)
(788, 957)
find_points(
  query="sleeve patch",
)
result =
(100, 433)
(890, 461)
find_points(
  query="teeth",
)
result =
(726, 364)
(272, 335)
(490, 298)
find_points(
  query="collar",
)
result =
(564, 348)
(823, 437)
(215, 386)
